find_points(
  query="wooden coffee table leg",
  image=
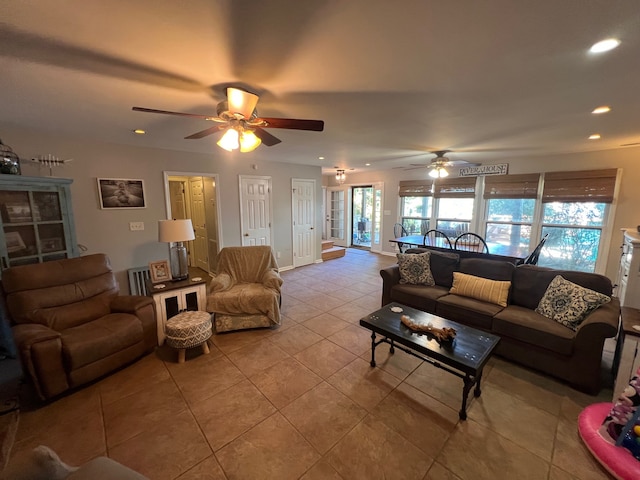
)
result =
(468, 383)
(477, 392)
(373, 349)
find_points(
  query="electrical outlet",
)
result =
(134, 226)
(277, 254)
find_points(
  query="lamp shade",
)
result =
(175, 230)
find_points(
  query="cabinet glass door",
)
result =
(191, 301)
(33, 227)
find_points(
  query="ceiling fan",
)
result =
(237, 115)
(439, 164)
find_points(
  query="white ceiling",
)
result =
(494, 80)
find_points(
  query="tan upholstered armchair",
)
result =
(245, 293)
(70, 324)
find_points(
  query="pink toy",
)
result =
(616, 460)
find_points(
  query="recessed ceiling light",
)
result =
(367, 164)
(139, 131)
(595, 136)
(602, 109)
(604, 45)
(320, 158)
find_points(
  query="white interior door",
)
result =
(376, 221)
(304, 233)
(255, 211)
(211, 220)
(199, 223)
(177, 197)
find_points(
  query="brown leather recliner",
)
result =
(70, 324)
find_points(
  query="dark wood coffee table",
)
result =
(465, 357)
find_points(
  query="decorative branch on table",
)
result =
(444, 334)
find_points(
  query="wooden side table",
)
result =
(627, 355)
(176, 297)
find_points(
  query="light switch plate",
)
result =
(133, 226)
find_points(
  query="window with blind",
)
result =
(575, 206)
(415, 205)
(455, 200)
(510, 207)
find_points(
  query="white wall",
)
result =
(627, 212)
(107, 231)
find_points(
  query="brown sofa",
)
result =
(70, 324)
(527, 337)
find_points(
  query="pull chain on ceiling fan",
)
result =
(243, 128)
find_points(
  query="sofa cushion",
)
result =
(467, 311)
(492, 291)
(443, 264)
(415, 269)
(529, 327)
(442, 267)
(568, 303)
(418, 296)
(530, 282)
(491, 269)
(99, 339)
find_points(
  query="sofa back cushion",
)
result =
(443, 264)
(530, 283)
(60, 294)
(491, 269)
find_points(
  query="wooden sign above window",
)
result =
(500, 169)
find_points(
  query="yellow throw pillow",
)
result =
(492, 291)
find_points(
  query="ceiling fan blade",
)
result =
(165, 112)
(268, 139)
(241, 102)
(293, 124)
(461, 163)
(205, 132)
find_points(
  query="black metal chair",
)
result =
(471, 242)
(532, 259)
(437, 238)
(399, 231)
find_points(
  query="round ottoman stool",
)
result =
(188, 329)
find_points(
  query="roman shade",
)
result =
(416, 188)
(511, 186)
(582, 186)
(455, 187)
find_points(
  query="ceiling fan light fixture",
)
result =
(249, 141)
(604, 45)
(241, 102)
(438, 172)
(229, 140)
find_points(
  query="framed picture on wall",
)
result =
(121, 193)
(160, 271)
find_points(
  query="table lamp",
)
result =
(176, 232)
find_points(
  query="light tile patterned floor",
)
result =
(301, 401)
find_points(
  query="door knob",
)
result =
(311, 228)
(246, 234)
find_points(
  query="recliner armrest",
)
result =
(272, 279)
(40, 349)
(220, 283)
(145, 309)
(129, 303)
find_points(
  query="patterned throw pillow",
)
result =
(568, 303)
(492, 291)
(415, 268)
